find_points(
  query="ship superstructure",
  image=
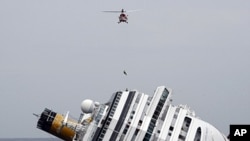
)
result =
(131, 116)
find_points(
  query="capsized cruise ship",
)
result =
(131, 116)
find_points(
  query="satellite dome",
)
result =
(87, 106)
(97, 104)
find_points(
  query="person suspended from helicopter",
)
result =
(125, 73)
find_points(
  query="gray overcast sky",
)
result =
(57, 53)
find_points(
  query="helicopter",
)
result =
(123, 17)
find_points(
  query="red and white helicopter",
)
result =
(123, 17)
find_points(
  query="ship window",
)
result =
(158, 108)
(161, 104)
(171, 128)
(182, 137)
(198, 135)
(126, 129)
(185, 128)
(107, 123)
(102, 121)
(165, 93)
(140, 122)
(136, 131)
(175, 116)
(147, 137)
(155, 116)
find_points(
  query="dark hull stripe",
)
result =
(122, 116)
(98, 133)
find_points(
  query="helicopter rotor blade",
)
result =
(112, 11)
(122, 11)
(129, 11)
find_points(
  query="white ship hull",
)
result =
(132, 116)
